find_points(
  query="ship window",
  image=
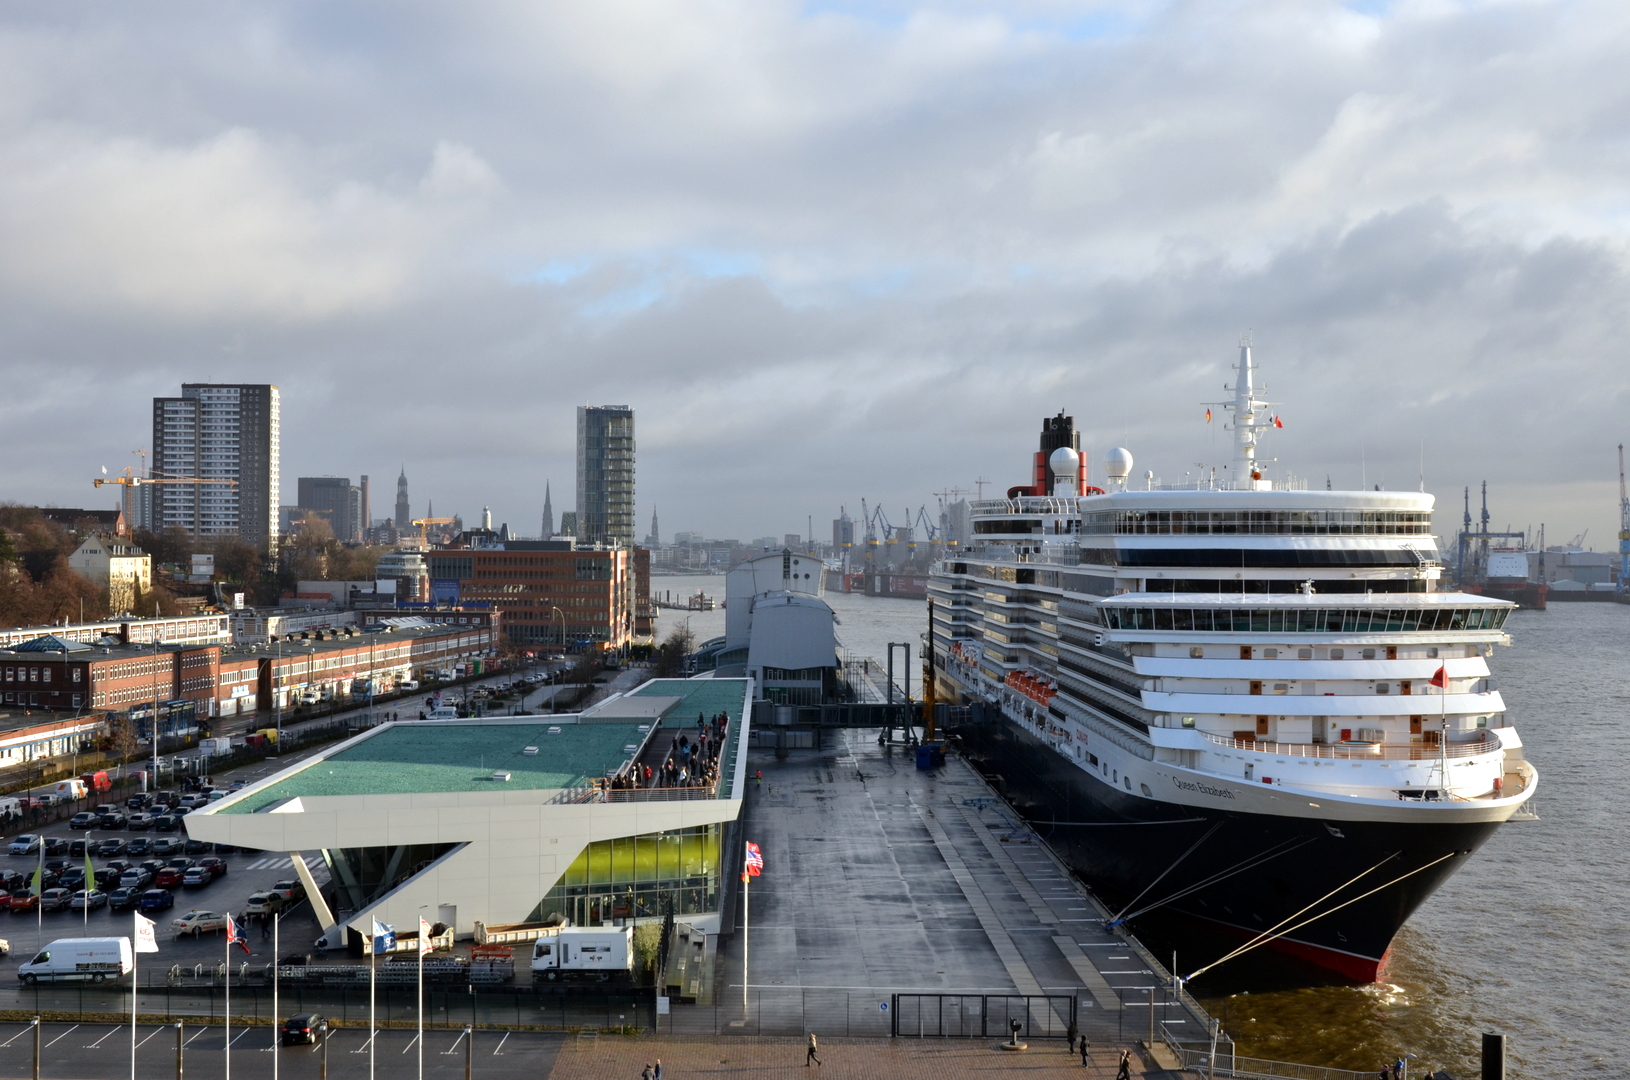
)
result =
(1304, 654)
(1432, 653)
(1196, 652)
(1147, 794)
(1188, 721)
(1369, 654)
(1382, 688)
(1127, 780)
(1093, 758)
(1482, 721)
(1338, 654)
(1271, 654)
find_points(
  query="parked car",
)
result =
(120, 865)
(11, 881)
(138, 846)
(110, 847)
(197, 847)
(123, 899)
(197, 877)
(72, 878)
(82, 820)
(157, 900)
(224, 849)
(152, 866)
(289, 890)
(138, 802)
(22, 900)
(215, 866)
(57, 866)
(166, 823)
(26, 844)
(55, 845)
(87, 899)
(168, 845)
(107, 878)
(304, 1029)
(197, 922)
(264, 903)
(115, 820)
(168, 878)
(135, 878)
(78, 846)
(238, 785)
(140, 821)
(55, 899)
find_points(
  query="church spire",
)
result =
(548, 513)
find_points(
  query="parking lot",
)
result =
(98, 1051)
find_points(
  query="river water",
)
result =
(1531, 938)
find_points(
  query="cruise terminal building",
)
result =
(510, 820)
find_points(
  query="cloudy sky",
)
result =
(826, 250)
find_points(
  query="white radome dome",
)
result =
(1118, 464)
(1064, 462)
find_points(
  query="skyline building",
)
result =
(222, 432)
(338, 500)
(548, 514)
(605, 474)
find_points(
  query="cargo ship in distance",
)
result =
(1236, 701)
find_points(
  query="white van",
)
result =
(79, 960)
(444, 712)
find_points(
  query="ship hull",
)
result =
(1262, 869)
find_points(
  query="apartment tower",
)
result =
(218, 432)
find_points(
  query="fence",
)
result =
(982, 1016)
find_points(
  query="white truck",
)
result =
(67, 790)
(96, 959)
(584, 952)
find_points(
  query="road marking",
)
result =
(454, 1048)
(363, 1049)
(500, 1046)
(98, 1043)
(155, 1032)
(197, 1033)
(59, 1038)
(241, 1034)
(17, 1036)
(409, 1046)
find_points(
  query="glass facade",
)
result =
(637, 876)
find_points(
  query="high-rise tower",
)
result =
(548, 514)
(605, 474)
(225, 432)
(404, 516)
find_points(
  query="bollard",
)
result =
(180, 1044)
(469, 1050)
(1493, 1056)
(322, 1071)
(36, 1048)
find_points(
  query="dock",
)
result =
(903, 902)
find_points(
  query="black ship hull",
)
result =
(1240, 874)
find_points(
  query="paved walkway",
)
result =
(610, 1058)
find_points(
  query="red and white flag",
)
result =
(146, 939)
(234, 935)
(755, 859)
(1441, 679)
(424, 936)
(1278, 423)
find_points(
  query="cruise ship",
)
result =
(1238, 701)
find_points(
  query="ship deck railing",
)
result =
(1360, 751)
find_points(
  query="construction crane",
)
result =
(1624, 527)
(424, 540)
(130, 479)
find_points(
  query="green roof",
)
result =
(413, 758)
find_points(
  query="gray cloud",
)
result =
(827, 251)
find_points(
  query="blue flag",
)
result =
(384, 937)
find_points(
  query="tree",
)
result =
(670, 655)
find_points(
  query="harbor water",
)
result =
(1531, 938)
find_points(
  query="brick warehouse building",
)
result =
(551, 592)
(198, 681)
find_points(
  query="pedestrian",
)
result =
(759, 776)
(1084, 1045)
(645, 1073)
(809, 1055)
(1125, 1071)
(1071, 1033)
(656, 1073)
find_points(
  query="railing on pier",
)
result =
(1360, 751)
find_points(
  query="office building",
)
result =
(218, 433)
(337, 501)
(550, 592)
(605, 474)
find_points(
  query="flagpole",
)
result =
(228, 973)
(135, 941)
(422, 935)
(746, 886)
(373, 1031)
(277, 1034)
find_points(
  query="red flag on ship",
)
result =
(1278, 422)
(1441, 679)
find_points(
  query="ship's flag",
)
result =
(755, 859)
(235, 935)
(1278, 422)
(146, 940)
(1208, 416)
(1441, 679)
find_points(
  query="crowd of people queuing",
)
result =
(691, 761)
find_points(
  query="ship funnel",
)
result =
(1066, 465)
(1118, 466)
